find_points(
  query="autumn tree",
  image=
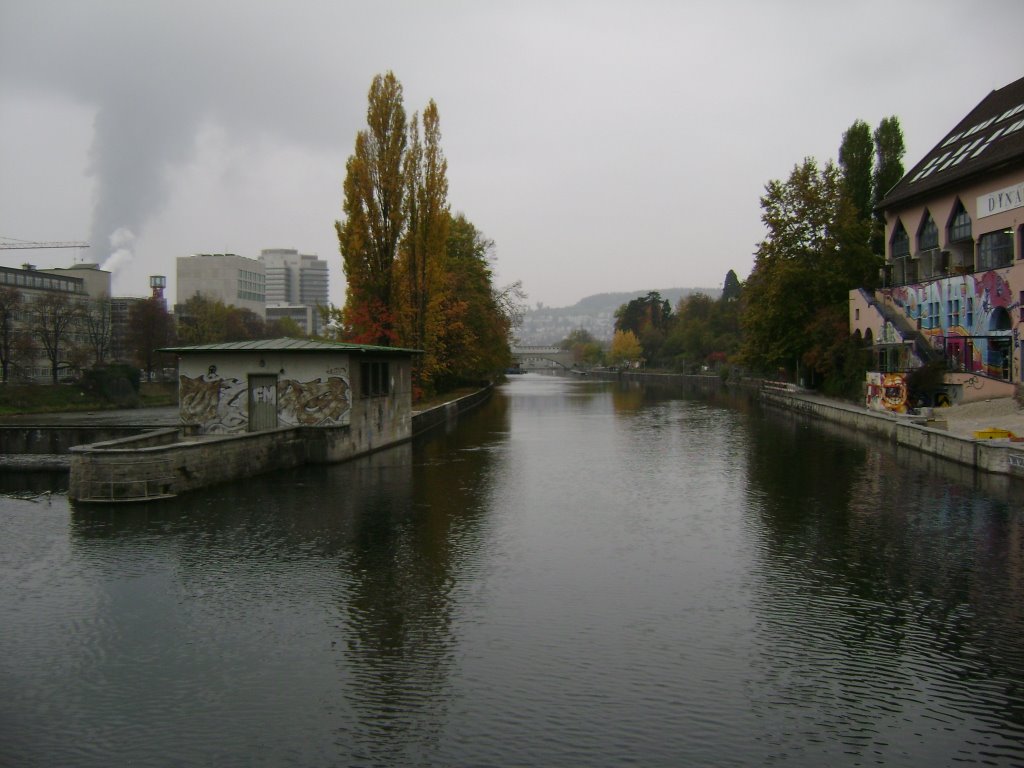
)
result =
(151, 328)
(54, 318)
(625, 347)
(421, 263)
(375, 215)
(10, 306)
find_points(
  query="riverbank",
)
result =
(927, 433)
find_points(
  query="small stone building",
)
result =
(253, 386)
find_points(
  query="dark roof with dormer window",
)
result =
(989, 139)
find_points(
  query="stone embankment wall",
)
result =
(167, 462)
(994, 456)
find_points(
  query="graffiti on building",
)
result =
(315, 403)
(221, 405)
(966, 316)
(887, 392)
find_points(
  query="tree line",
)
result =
(71, 333)
(825, 237)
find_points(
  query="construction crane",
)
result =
(10, 243)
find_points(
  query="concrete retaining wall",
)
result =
(168, 462)
(986, 455)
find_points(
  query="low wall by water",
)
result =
(990, 456)
(53, 439)
(985, 455)
(167, 462)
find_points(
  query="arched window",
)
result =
(1000, 320)
(928, 235)
(900, 241)
(960, 225)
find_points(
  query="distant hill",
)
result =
(596, 314)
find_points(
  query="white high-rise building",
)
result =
(296, 282)
(234, 280)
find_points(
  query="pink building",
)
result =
(953, 285)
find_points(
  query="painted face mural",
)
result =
(894, 392)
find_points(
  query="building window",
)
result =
(928, 236)
(374, 379)
(970, 311)
(995, 249)
(900, 242)
(960, 226)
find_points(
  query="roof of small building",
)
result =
(290, 345)
(989, 138)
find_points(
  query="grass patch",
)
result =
(50, 398)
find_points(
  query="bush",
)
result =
(118, 383)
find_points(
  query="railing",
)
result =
(151, 480)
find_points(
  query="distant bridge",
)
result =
(541, 358)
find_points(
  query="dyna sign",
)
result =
(1001, 200)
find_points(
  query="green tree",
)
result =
(648, 318)
(586, 350)
(889, 151)
(814, 253)
(473, 342)
(375, 214)
(731, 287)
(209, 321)
(856, 157)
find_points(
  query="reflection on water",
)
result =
(580, 573)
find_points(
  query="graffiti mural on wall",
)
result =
(966, 316)
(221, 405)
(315, 403)
(887, 392)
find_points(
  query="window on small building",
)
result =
(374, 379)
(960, 225)
(928, 236)
(995, 249)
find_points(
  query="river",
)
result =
(579, 573)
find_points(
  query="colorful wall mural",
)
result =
(221, 405)
(968, 317)
(887, 392)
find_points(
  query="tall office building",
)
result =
(296, 284)
(234, 280)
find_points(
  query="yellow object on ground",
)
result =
(993, 434)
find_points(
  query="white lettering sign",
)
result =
(1001, 200)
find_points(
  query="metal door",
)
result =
(262, 402)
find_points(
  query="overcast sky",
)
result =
(603, 146)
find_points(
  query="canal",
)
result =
(579, 573)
